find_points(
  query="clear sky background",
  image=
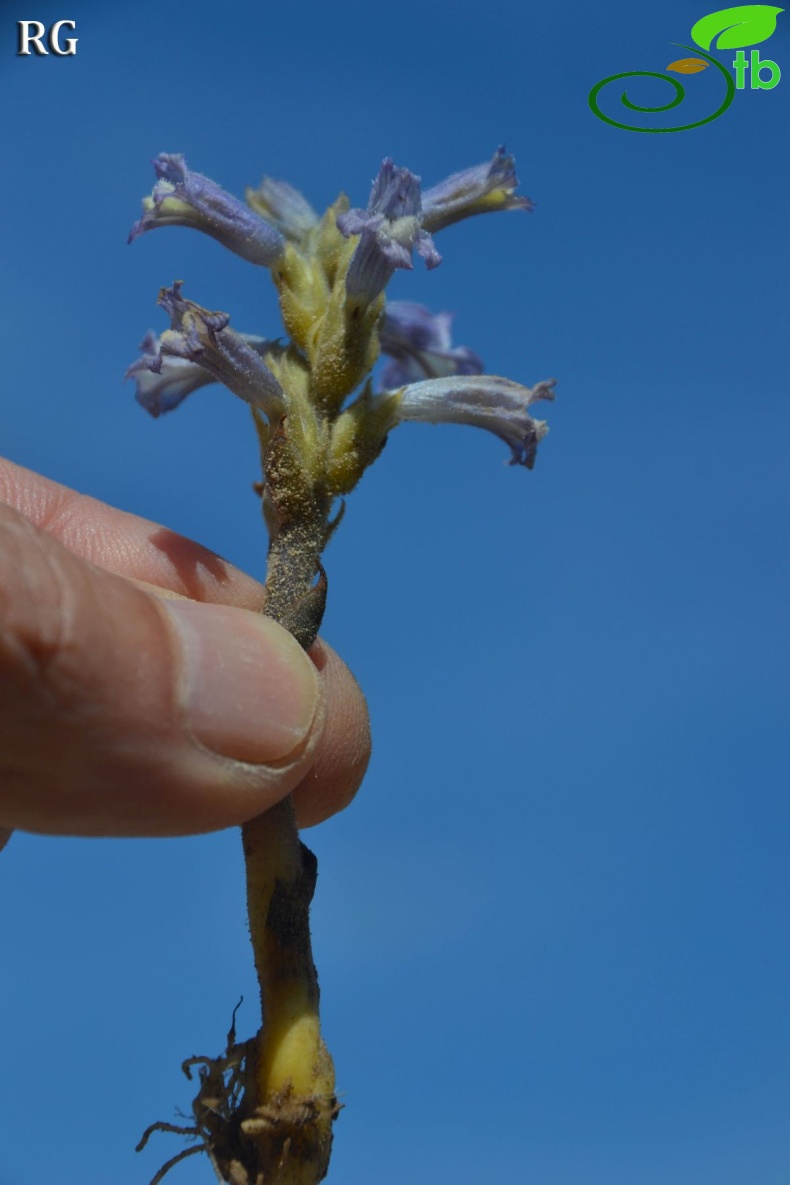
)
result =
(551, 931)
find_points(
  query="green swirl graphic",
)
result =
(680, 95)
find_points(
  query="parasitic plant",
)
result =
(265, 1108)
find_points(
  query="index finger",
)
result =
(124, 543)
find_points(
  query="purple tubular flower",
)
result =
(163, 381)
(283, 206)
(419, 345)
(183, 198)
(484, 402)
(484, 188)
(389, 229)
(200, 340)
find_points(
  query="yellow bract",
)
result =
(358, 437)
(335, 346)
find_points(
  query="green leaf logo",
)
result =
(748, 24)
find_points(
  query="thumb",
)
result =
(125, 713)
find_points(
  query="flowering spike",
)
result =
(478, 190)
(201, 337)
(419, 345)
(389, 229)
(183, 198)
(283, 206)
(484, 402)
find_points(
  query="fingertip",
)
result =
(343, 754)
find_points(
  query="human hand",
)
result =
(140, 691)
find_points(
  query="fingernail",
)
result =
(248, 690)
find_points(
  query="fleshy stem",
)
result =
(314, 455)
(265, 1109)
(291, 1083)
(289, 1102)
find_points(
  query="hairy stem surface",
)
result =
(291, 1081)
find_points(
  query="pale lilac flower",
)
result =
(283, 206)
(483, 401)
(419, 345)
(163, 381)
(389, 229)
(200, 340)
(183, 198)
(478, 190)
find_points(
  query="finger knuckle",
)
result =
(41, 613)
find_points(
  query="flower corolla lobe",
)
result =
(482, 189)
(183, 198)
(200, 341)
(163, 382)
(483, 401)
(389, 229)
(419, 346)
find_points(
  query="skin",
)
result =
(91, 738)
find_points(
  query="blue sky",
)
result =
(551, 929)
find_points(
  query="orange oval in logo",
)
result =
(688, 65)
